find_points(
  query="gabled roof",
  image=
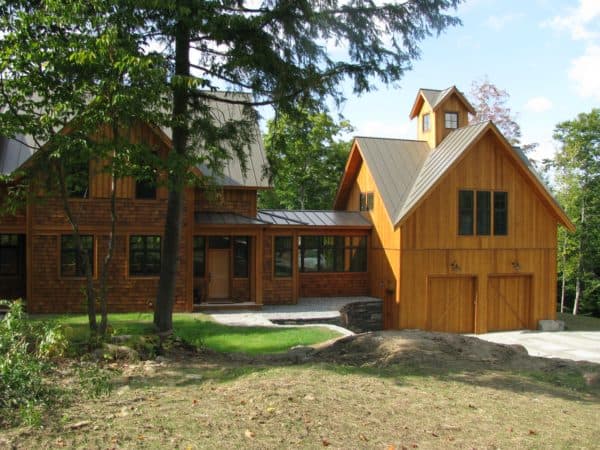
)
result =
(435, 98)
(313, 218)
(405, 172)
(13, 153)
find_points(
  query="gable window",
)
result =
(500, 213)
(10, 254)
(475, 209)
(78, 179)
(144, 255)
(241, 252)
(451, 119)
(72, 263)
(366, 201)
(426, 122)
(282, 266)
(145, 190)
(484, 223)
(466, 207)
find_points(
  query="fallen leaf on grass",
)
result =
(249, 434)
(533, 432)
(362, 437)
(325, 442)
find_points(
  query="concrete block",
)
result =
(551, 325)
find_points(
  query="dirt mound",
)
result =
(426, 349)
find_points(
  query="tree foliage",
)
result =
(490, 103)
(577, 173)
(306, 158)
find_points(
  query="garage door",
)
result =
(451, 304)
(509, 303)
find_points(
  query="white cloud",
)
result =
(538, 104)
(585, 72)
(499, 22)
(583, 22)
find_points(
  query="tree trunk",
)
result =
(577, 295)
(163, 310)
(89, 285)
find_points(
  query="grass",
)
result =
(195, 405)
(579, 322)
(200, 331)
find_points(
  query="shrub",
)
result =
(25, 351)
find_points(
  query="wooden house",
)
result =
(464, 232)
(454, 232)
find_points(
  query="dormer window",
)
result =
(426, 122)
(451, 120)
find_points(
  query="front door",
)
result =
(218, 273)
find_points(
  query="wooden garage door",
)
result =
(451, 304)
(509, 302)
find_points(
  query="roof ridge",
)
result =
(390, 138)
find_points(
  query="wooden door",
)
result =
(451, 304)
(509, 302)
(218, 273)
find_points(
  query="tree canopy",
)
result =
(577, 174)
(306, 158)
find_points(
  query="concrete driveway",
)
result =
(575, 345)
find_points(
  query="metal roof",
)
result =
(220, 218)
(435, 96)
(310, 218)
(436, 164)
(394, 165)
(13, 153)
(256, 161)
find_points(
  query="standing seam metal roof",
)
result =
(313, 218)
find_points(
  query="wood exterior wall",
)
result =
(431, 246)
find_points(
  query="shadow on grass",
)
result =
(566, 384)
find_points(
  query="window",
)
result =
(366, 201)
(500, 213)
(451, 119)
(426, 123)
(10, 245)
(283, 256)
(199, 256)
(482, 211)
(241, 252)
(78, 179)
(145, 190)
(332, 254)
(221, 242)
(144, 255)
(356, 250)
(72, 261)
(465, 213)
(484, 223)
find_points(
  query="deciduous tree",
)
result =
(306, 157)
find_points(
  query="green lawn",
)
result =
(200, 330)
(579, 322)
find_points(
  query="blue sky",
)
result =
(545, 53)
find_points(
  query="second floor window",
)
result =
(78, 179)
(451, 120)
(366, 201)
(426, 122)
(476, 216)
(145, 190)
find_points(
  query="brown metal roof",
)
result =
(310, 218)
(219, 218)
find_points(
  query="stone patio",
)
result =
(311, 308)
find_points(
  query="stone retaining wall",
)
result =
(362, 316)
